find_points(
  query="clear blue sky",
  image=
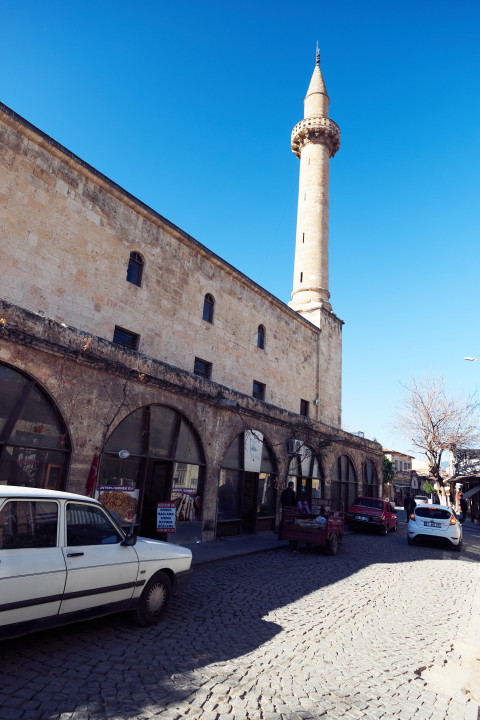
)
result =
(190, 106)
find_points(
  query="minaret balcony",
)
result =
(316, 130)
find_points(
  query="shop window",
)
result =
(370, 480)
(304, 408)
(154, 455)
(135, 269)
(126, 338)
(258, 391)
(306, 473)
(261, 337)
(208, 307)
(247, 487)
(202, 368)
(344, 481)
(34, 442)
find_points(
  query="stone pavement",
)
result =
(382, 630)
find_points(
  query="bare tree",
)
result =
(436, 421)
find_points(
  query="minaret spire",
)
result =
(314, 140)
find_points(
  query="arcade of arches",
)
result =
(155, 454)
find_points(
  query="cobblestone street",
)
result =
(382, 630)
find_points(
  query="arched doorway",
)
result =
(247, 488)
(344, 481)
(154, 455)
(305, 472)
(34, 441)
(370, 487)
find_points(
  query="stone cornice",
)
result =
(316, 130)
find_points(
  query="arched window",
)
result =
(208, 305)
(135, 269)
(247, 487)
(154, 455)
(306, 473)
(34, 441)
(370, 480)
(261, 337)
(344, 481)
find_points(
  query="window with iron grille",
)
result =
(135, 269)
(202, 368)
(126, 338)
(304, 408)
(208, 305)
(258, 390)
(261, 337)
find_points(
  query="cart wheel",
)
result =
(293, 545)
(333, 544)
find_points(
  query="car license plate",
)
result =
(361, 517)
(432, 524)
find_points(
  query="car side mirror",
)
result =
(130, 540)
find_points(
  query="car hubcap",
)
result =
(156, 599)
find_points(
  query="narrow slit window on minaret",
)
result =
(303, 238)
(301, 277)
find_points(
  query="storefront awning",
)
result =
(471, 492)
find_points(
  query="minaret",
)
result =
(314, 140)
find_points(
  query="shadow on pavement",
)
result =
(109, 668)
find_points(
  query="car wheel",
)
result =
(409, 541)
(458, 547)
(293, 545)
(395, 528)
(154, 600)
(351, 525)
(333, 544)
(384, 530)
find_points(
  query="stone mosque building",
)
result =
(212, 398)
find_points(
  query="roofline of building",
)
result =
(396, 452)
(150, 211)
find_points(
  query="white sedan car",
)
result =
(63, 558)
(434, 522)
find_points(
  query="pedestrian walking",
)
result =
(287, 499)
(408, 505)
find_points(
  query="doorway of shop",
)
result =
(157, 489)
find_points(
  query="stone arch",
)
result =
(247, 486)
(35, 443)
(306, 471)
(344, 481)
(370, 479)
(154, 455)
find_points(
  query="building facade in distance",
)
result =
(125, 340)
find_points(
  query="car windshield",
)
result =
(369, 503)
(433, 513)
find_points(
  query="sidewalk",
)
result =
(234, 547)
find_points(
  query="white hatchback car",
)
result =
(63, 558)
(434, 522)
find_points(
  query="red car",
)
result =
(372, 513)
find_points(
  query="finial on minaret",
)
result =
(318, 56)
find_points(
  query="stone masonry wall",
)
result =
(95, 387)
(66, 236)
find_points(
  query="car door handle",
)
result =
(75, 554)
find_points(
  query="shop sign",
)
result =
(120, 499)
(166, 517)
(253, 450)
